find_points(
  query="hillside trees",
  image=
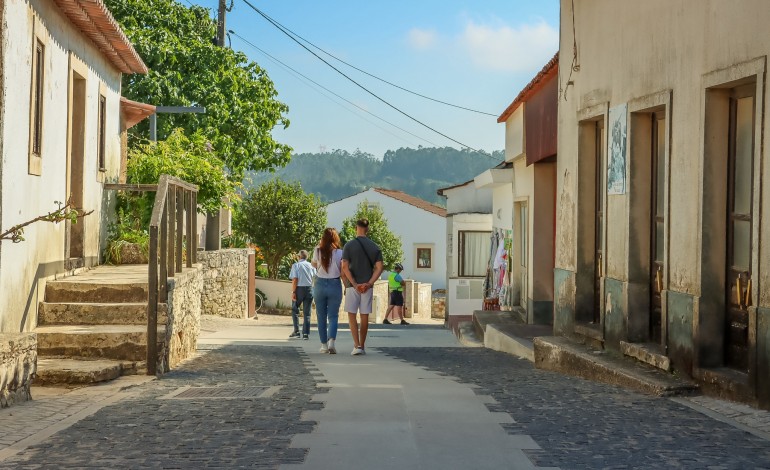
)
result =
(379, 233)
(280, 218)
(187, 69)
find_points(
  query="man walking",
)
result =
(396, 286)
(301, 275)
(362, 266)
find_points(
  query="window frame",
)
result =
(102, 134)
(460, 252)
(417, 258)
(37, 106)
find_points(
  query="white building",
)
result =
(468, 230)
(420, 224)
(61, 125)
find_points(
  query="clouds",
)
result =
(496, 47)
(421, 39)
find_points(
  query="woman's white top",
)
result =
(335, 266)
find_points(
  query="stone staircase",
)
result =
(92, 327)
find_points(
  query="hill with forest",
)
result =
(418, 172)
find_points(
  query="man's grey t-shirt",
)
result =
(361, 259)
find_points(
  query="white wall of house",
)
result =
(514, 134)
(465, 198)
(464, 294)
(24, 266)
(417, 228)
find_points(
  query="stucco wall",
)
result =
(463, 295)
(467, 198)
(514, 134)
(689, 50)
(225, 282)
(26, 196)
(415, 226)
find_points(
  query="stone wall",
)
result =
(184, 316)
(18, 364)
(225, 282)
(438, 301)
(423, 301)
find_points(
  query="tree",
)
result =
(186, 68)
(389, 243)
(280, 218)
(189, 158)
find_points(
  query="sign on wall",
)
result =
(616, 151)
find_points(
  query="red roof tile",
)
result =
(414, 201)
(551, 68)
(96, 22)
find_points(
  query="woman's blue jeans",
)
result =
(328, 297)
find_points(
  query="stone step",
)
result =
(70, 290)
(92, 313)
(124, 342)
(82, 371)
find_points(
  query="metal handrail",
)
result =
(176, 203)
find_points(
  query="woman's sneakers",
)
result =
(331, 349)
(325, 349)
(358, 351)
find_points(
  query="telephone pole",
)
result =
(213, 219)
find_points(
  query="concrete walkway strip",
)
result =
(382, 413)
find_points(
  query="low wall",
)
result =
(225, 282)
(438, 301)
(184, 315)
(423, 301)
(277, 291)
(380, 301)
(18, 364)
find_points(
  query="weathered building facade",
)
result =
(660, 244)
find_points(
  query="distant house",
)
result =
(468, 231)
(420, 224)
(62, 124)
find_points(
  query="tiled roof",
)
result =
(551, 68)
(96, 22)
(414, 201)
(134, 112)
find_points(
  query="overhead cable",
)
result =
(375, 76)
(363, 87)
(288, 67)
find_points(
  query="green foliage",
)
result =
(389, 243)
(65, 212)
(280, 219)
(188, 69)
(418, 172)
(127, 229)
(235, 240)
(189, 158)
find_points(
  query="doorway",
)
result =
(739, 225)
(75, 233)
(598, 221)
(658, 224)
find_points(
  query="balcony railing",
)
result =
(173, 218)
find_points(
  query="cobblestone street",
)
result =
(252, 399)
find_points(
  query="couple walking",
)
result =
(359, 265)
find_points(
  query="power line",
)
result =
(330, 91)
(363, 87)
(374, 76)
(300, 74)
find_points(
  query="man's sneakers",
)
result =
(296, 334)
(386, 322)
(331, 348)
(324, 349)
(404, 322)
(305, 337)
(358, 352)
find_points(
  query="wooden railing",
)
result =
(173, 217)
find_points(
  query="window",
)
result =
(37, 99)
(474, 253)
(102, 131)
(424, 258)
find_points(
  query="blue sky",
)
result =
(477, 54)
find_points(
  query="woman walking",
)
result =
(327, 259)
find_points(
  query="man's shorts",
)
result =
(397, 298)
(355, 302)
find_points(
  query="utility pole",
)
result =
(213, 219)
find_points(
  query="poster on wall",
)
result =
(616, 143)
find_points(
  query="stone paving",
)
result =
(585, 425)
(152, 430)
